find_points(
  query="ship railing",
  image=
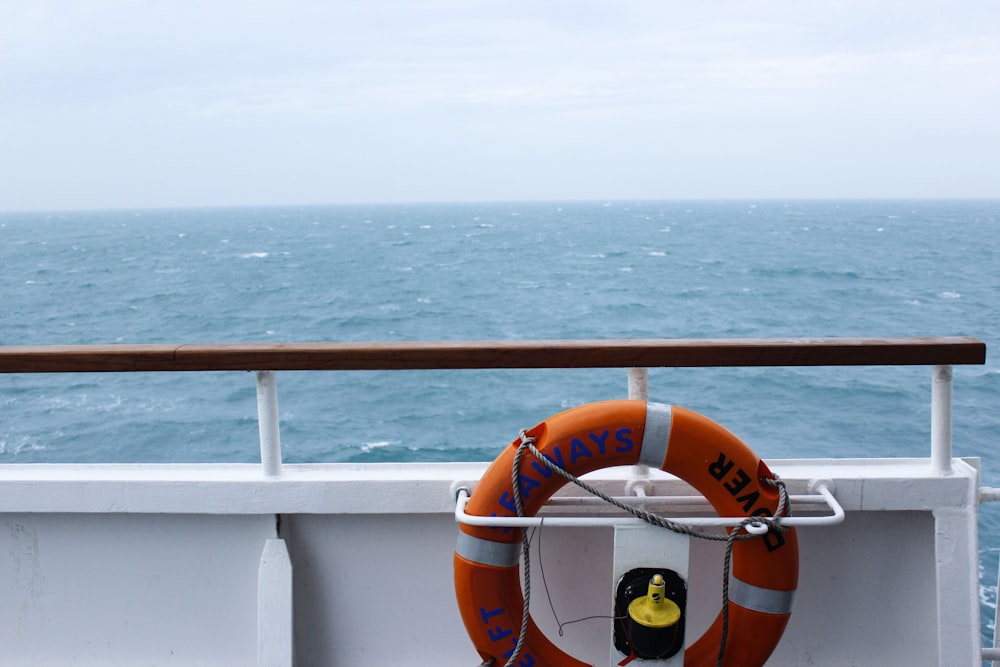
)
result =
(636, 355)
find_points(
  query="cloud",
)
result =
(305, 57)
(642, 83)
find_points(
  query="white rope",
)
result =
(772, 524)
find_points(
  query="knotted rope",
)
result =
(771, 523)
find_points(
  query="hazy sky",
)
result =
(126, 103)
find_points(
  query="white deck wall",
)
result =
(159, 565)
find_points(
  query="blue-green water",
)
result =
(496, 271)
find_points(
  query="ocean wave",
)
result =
(16, 445)
(378, 444)
(805, 272)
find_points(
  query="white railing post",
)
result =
(267, 423)
(638, 383)
(941, 420)
(638, 389)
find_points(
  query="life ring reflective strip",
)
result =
(611, 433)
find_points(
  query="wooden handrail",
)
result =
(494, 354)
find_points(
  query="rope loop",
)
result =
(740, 532)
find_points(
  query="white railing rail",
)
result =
(823, 496)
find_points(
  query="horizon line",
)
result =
(493, 202)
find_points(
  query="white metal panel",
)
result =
(375, 590)
(866, 595)
(129, 589)
(578, 567)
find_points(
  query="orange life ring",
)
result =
(626, 432)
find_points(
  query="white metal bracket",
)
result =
(822, 495)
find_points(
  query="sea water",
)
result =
(497, 271)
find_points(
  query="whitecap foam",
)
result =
(21, 444)
(255, 255)
(950, 295)
(29, 446)
(377, 444)
(114, 401)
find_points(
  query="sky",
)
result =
(126, 103)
